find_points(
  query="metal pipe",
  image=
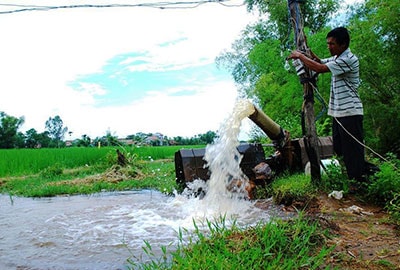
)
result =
(272, 129)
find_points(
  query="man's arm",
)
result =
(310, 63)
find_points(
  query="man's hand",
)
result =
(295, 55)
(313, 64)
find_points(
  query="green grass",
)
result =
(158, 175)
(51, 172)
(294, 244)
(18, 162)
(289, 188)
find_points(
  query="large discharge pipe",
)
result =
(272, 129)
(279, 137)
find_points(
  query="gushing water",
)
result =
(223, 158)
(225, 190)
(103, 230)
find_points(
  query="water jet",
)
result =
(290, 154)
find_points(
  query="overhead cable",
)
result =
(159, 5)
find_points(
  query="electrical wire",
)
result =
(157, 5)
(296, 22)
(351, 135)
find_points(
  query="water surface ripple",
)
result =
(101, 231)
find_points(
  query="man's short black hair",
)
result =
(341, 35)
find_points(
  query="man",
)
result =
(344, 103)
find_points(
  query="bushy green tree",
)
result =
(316, 14)
(139, 137)
(31, 138)
(257, 60)
(9, 126)
(108, 140)
(375, 29)
(56, 130)
(83, 142)
(207, 137)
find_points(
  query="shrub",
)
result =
(51, 171)
(334, 179)
(385, 184)
(385, 187)
(393, 208)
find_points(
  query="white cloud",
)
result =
(43, 51)
(160, 112)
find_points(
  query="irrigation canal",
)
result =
(102, 231)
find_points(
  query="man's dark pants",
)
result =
(345, 145)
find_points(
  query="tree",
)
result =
(20, 140)
(138, 137)
(9, 126)
(375, 28)
(107, 140)
(208, 137)
(31, 138)
(55, 129)
(317, 13)
(308, 82)
(85, 141)
(258, 59)
(110, 139)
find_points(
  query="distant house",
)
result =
(156, 139)
(172, 142)
(68, 143)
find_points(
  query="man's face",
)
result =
(333, 47)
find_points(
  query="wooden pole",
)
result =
(306, 78)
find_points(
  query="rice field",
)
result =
(19, 162)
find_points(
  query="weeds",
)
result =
(289, 188)
(52, 171)
(296, 244)
(334, 179)
(385, 184)
(384, 188)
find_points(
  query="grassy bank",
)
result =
(298, 243)
(293, 244)
(51, 172)
(19, 162)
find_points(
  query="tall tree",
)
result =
(9, 126)
(84, 141)
(375, 29)
(308, 82)
(316, 14)
(207, 138)
(31, 138)
(55, 129)
(257, 59)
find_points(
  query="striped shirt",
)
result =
(344, 99)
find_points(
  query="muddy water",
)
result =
(100, 231)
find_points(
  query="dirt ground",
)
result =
(362, 233)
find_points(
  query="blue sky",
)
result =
(130, 77)
(120, 70)
(123, 70)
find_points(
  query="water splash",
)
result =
(224, 193)
(223, 158)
